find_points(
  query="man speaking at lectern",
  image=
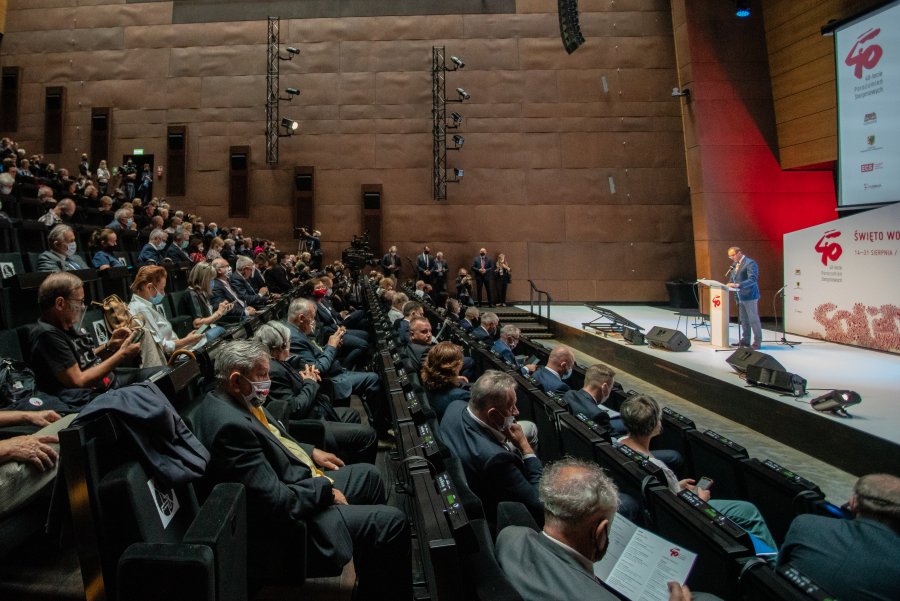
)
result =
(744, 279)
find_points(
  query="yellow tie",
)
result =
(289, 444)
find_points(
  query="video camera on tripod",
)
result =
(359, 254)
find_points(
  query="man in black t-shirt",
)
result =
(67, 355)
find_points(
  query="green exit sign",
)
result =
(138, 151)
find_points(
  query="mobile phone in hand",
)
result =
(202, 328)
(136, 337)
(704, 483)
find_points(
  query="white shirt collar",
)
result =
(586, 563)
(500, 436)
(552, 371)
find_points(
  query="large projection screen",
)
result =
(867, 57)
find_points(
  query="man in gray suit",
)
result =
(287, 482)
(852, 559)
(61, 256)
(579, 504)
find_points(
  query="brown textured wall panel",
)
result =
(92, 17)
(365, 115)
(802, 66)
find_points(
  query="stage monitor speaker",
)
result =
(776, 379)
(633, 335)
(671, 340)
(744, 356)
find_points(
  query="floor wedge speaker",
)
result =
(667, 338)
(740, 359)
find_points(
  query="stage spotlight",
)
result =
(836, 401)
(289, 124)
(742, 8)
(458, 173)
(293, 91)
(292, 50)
(457, 118)
(457, 61)
(463, 95)
(459, 140)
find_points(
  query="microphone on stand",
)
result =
(730, 269)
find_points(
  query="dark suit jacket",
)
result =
(476, 265)
(299, 394)
(50, 261)
(424, 263)
(330, 320)
(505, 352)
(482, 335)
(280, 489)
(441, 399)
(851, 559)
(149, 256)
(257, 280)
(549, 382)
(303, 352)
(540, 569)
(416, 353)
(402, 327)
(177, 255)
(466, 325)
(494, 472)
(387, 261)
(277, 279)
(747, 277)
(245, 290)
(581, 402)
(221, 293)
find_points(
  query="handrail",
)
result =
(540, 295)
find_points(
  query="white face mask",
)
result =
(567, 375)
(71, 247)
(508, 421)
(259, 393)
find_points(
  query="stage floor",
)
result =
(826, 366)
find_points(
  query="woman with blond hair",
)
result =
(198, 294)
(441, 377)
(149, 288)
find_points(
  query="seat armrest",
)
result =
(170, 571)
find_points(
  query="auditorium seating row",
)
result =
(28, 235)
(726, 563)
(123, 549)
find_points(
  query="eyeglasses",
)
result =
(81, 304)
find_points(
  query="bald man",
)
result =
(551, 377)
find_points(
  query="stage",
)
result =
(865, 443)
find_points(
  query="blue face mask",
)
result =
(184, 244)
(157, 298)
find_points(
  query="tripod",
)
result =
(783, 340)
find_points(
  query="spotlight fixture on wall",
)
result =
(274, 122)
(440, 124)
(290, 126)
(742, 8)
(682, 93)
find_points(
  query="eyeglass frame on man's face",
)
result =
(77, 300)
